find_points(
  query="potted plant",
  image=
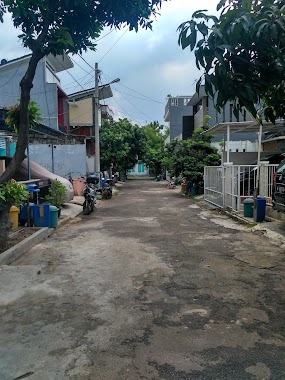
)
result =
(57, 195)
(12, 193)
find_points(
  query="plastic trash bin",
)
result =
(183, 187)
(34, 192)
(14, 216)
(194, 190)
(259, 209)
(248, 207)
(53, 216)
(41, 215)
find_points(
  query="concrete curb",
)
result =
(275, 237)
(19, 249)
(236, 217)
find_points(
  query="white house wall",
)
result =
(239, 146)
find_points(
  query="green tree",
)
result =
(241, 54)
(156, 135)
(71, 26)
(188, 158)
(121, 144)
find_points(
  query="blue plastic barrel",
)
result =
(259, 209)
(23, 212)
(53, 213)
(41, 215)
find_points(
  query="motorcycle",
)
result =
(89, 194)
(107, 189)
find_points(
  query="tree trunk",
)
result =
(5, 224)
(23, 137)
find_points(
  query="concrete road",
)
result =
(152, 286)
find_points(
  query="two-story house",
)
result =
(82, 112)
(179, 115)
(46, 91)
(206, 115)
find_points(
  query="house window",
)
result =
(176, 101)
(141, 167)
(224, 115)
(207, 101)
(172, 101)
(237, 150)
(231, 112)
(243, 150)
(244, 115)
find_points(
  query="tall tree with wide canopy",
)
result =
(122, 144)
(71, 26)
(241, 54)
(156, 135)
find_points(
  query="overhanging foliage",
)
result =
(241, 54)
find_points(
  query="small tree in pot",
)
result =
(57, 194)
(12, 193)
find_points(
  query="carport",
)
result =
(245, 127)
(228, 185)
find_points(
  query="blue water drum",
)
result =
(41, 215)
(259, 209)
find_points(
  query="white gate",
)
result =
(214, 178)
(229, 185)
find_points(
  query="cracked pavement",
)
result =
(151, 286)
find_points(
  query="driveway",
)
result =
(151, 286)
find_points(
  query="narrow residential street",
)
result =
(151, 286)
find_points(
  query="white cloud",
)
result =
(149, 62)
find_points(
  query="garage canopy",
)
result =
(245, 126)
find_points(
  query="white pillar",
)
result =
(228, 184)
(228, 143)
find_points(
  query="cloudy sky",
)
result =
(150, 64)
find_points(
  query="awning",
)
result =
(105, 92)
(244, 127)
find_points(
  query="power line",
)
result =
(113, 45)
(134, 106)
(70, 74)
(145, 96)
(93, 69)
(9, 80)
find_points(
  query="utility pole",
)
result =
(97, 121)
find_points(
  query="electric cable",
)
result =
(113, 45)
(9, 80)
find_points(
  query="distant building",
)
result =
(179, 115)
(206, 115)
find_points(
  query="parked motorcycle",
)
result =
(90, 198)
(107, 189)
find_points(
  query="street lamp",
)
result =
(97, 119)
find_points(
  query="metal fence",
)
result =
(228, 186)
(214, 185)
